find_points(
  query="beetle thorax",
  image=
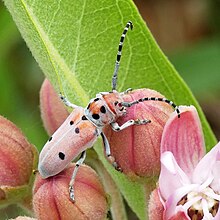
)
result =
(105, 108)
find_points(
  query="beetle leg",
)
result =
(78, 163)
(116, 127)
(67, 102)
(108, 153)
(126, 91)
(171, 103)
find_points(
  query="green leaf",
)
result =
(75, 43)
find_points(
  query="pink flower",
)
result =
(189, 182)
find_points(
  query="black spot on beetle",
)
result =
(88, 106)
(84, 117)
(102, 109)
(96, 116)
(71, 122)
(116, 103)
(61, 155)
(96, 99)
(77, 130)
(50, 138)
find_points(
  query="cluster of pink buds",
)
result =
(49, 198)
(169, 147)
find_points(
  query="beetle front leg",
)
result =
(110, 158)
(67, 102)
(71, 184)
(115, 126)
(126, 91)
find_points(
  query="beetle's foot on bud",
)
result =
(114, 163)
(35, 172)
(117, 167)
(142, 122)
(71, 192)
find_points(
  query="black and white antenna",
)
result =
(115, 74)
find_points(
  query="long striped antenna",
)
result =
(115, 74)
(129, 104)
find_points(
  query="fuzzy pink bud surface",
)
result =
(137, 148)
(17, 160)
(155, 207)
(53, 111)
(51, 196)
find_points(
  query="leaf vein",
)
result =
(54, 56)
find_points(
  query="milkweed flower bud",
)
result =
(17, 160)
(136, 149)
(53, 111)
(51, 196)
(155, 207)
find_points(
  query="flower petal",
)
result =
(217, 216)
(216, 182)
(171, 177)
(184, 138)
(171, 205)
(180, 215)
(208, 167)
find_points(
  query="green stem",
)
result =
(117, 204)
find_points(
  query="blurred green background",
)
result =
(20, 81)
(186, 30)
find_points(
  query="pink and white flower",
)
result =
(189, 182)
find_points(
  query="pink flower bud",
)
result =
(53, 111)
(51, 196)
(17, 160)
(155, 207)
(137, 148)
